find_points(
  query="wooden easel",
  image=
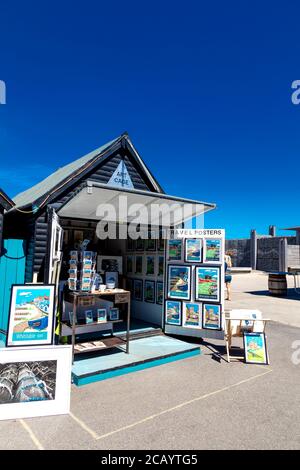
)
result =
(235, 330)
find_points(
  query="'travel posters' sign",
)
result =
(121, 178)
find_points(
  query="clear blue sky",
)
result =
(203, 88)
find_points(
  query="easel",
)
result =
(234, 327)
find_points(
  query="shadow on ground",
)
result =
(291, 294)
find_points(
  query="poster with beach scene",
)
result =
(191, 317)
(174, 250)
(255, 348)
(173, 312)
(212, 250)
(207, 283)
(211, 317)
(179, 282)
(149, 293)
(193, 248)
(31, 315)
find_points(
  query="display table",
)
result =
(117, 296)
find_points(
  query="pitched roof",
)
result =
(59, 176)
(5, 200)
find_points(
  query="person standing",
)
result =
(228, 276)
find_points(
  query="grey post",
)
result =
(283, 255)
(253, 249)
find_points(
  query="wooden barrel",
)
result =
(278, 284)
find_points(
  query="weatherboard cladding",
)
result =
(100, 174)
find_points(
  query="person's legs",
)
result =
(228, 287)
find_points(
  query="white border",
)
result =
(61, 402)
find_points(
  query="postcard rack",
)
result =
(112, 341)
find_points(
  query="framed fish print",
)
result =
(174, 252)
(208, 287)
(129, 264)
(139, 264)
(159, 292)
(212, 250)
(191, 315)
(255, 348)
(138, 289)
(193, 250)
(149, 292)
(31, 315)
(173, 312)
(179, 282)
(212, 317)
(140, 244)
(150, 265)
(161, 260)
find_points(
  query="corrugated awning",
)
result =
(90, 202)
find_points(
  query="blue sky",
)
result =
(203, 88)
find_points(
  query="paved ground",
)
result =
(197, 403)
(251, 291)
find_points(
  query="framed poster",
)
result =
(160, 244)
(173, 312)
(35, 387)
(150, 265)
(193, 249)
(138, 289)
(255, 348)
(208, 285)
(150, 244)
(161, 260)
(110, 263)
(31, 315)
(179, 282)
(88, 316)
(174, 252)
(149, 293)
(140, 244)
(101, 315)
(159, 292)
(130, 244)
(191, 315)
(139, 264)
(212, 317)
(129, 264)
(212, 251)
(113, 314)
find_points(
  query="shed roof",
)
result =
(5, 200)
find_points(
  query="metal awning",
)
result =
(88, 204)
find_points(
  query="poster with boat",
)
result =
(212, 250)
(208, 283)
(173, 312)
(179, 282)
(212, 319)
(192, 314)
(31, 315)
(193, 248)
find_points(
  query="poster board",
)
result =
(194, 283)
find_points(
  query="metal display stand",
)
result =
(119, 297)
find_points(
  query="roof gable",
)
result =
(5, 201)
(57, 182)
